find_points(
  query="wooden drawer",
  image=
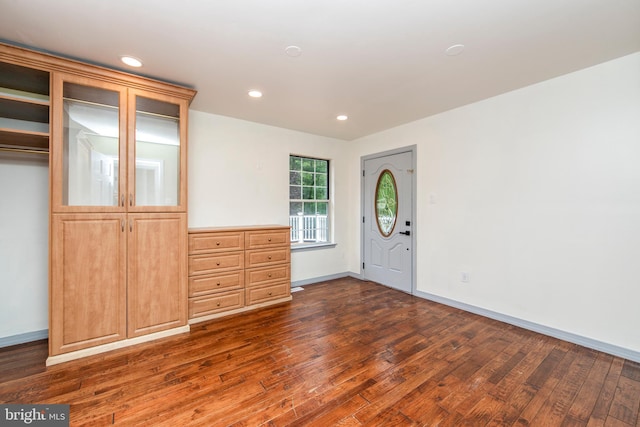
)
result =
(206, 264)
(203, 285)
(266, 239)
(267, 293)
(266, 257)
(216, 303)
(200, 243)
(263, 276)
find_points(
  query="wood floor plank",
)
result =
(585, 402)
(626, 401)
(342, 353)
(557, 405)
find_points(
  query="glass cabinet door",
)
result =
(158, 153)
(90, 155)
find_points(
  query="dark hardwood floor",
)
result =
(345, 353)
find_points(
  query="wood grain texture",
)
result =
(342, 353)
(157, 272)
(88, 295)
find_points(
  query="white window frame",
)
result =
(310, 230)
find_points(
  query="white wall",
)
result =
(537, 196)
(239, 175)
(24, 225)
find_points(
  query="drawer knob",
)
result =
(218, 304)
(218, 263)
(269, 239)
(270, 293)
(217, 243)
(218, 284)
(269, 257)
(269, 275)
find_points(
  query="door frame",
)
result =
(413, 149)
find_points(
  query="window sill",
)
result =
(311, 246)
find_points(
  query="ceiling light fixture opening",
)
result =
(454, 50)
(293, 51)
(255, 94)
(131, 61)
(342, 117)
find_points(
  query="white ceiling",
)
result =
(381, 62)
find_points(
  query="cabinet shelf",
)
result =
(17, 138)
(23, 79)
(19, 108)
(24, 107)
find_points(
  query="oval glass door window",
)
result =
(386, 203)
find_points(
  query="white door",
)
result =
(387, 222)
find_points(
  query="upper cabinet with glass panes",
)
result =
(117, 149)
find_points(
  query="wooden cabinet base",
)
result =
(238, 310)
(73, 355)
(236, 269)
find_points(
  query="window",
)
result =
(308, 199)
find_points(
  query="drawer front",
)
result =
(206, 264)
(200, 243)
(263, 276)
(266, 239)
(267, 257)
(203, 285)
(268, 293)
(216, 303)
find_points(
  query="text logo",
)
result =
(34, 415)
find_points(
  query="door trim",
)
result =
(413, 149)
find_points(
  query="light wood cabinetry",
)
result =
(89, 267)
(24, 107)
(118, 202)
(234, 269)
(157, 270)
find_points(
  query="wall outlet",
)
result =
(464, 277)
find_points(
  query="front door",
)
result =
(387, 222)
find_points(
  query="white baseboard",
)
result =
(604, 347)
(24, 338)
(313, 280)
(535, 327)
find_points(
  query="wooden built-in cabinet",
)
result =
(233, 269)
(117, 148)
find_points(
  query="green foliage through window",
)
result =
(386, 202)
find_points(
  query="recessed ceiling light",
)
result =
(255, 94)
(131, 61)
(342, 117)
(454, 50)
(293, 51)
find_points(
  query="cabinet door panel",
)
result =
(157, 153)
(89, 150)
(215, 263)
(203, 243)
(265, 257)
(203, 285)
(88, 281)
(262, 239)
(267, 293)
(216, 303)
(262, 276)
(157, 274)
